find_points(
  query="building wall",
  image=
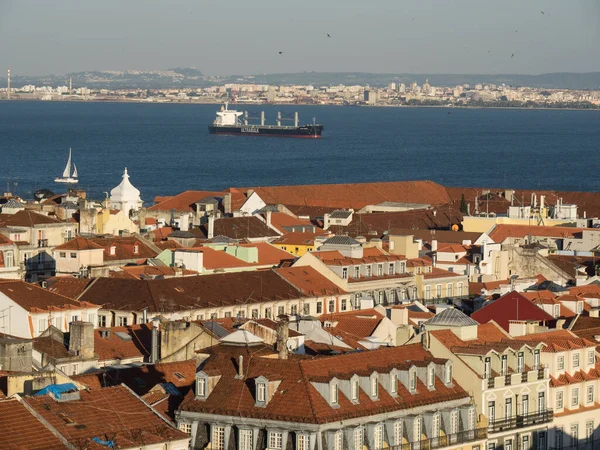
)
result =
(113, 223)
(71, 261)
(296, 249)
(484, 224)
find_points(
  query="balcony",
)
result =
(520, 421)
(42, 243)
(444, 441)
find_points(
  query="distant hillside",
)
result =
(191, 77)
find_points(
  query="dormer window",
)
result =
(201, 387)
(379, 270)
(345, 273)
(374, 386)
(391, 269)
(356, 271)
(113, 250)
(136, 249)
(368, 271)
(449, 374)
(431, 377)
(261, 392)
(504, 367)
(487, 367)
(591, 358)
(412, 386)
(354, 391)
(520, 362)
(333, 393)
(575, 360)
(394, 383)
(536, 358)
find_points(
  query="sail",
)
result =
(74, 171)
(67, 171)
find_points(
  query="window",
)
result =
(459, 289)
(319, 307)
(268, 313)
(541, 440)
(357, 272)
(579, 307)
(275, 440)
(439, 291)
(471, 419)
(374, 386)
(492, 446)
(449, 374)
(331, 306)
(306, 309)
(254, 313)
(227, 315)
(558, 438)
(344, 306)
(246, 440)
(73, 255)
(589, 431)
(590, 393)
(402, 267)
(122, 321)
(354, 392)
(559, 400)
(525, 442)
(536, 359)
(574, 434)
(394, 383)
(487, 367)
(380, 297)
(338, 441)
(345, 273)
(560, 363)
(525, 404)
(398, 432)
(504, 367)
(185, 427)
(491, 411)
(75, 370)
(454, 422)
(449, 290)
(508, 444)
(218, 438)
(368, 270)
(431, 377)
(358, 438)
(280, 310)
(391, 269)
(379, 270)
(294, 310)
(261, 392)
(378, 436)
(333, 394)
(591, 359)
(520, 362)
(302, 442)
(92, 318)
(63, 369)
(415, 293)
(435, 426)
(113, 250)
(575, 397)
(62, 254)
(418, 428)
(427, 292)
(508, 408)
(413, 381)
(575, 359)
(42, 325)
(201, 387)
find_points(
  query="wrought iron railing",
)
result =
(520, 421)
(444, 441)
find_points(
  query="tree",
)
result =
(463, 205)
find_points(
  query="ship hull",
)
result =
(306, 131)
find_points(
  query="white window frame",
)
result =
(359, 438)
(591, 357)
(431, 377)
(378, 436)
(275, 440)
(338, 441)
(186, 427)
(393, 383)
(590, 393)
(354, 391)
(333, 394)
(261, 392)
(374, 387)
(217, 438)
(560, 401)
(302, 441)
(576, 359)
(560, 362)
(201, 387)
(245, 439)
(575, 397)
(398, 432)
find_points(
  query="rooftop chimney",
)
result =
(211, 227)
(155, 352)
(240, 373)
(81, 339)
(283, 334)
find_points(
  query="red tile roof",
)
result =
(512, 306)
(183, 202)
(79, 243)
(436, 272)
(113, 347)
(503, 231)
(34, 298)
(27, 218)
(113, 413)
(124, 248)
(297, 400)
(356, 195)
(309, 281)
(281, 221)
(22, 431)
(297, 238)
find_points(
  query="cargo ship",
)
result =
(230, 121)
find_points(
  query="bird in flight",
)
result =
(543, 14)
(512, 55)
(328, 35)
(281, 53)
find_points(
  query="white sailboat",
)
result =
(67, 176)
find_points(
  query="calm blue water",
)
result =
(168, 149)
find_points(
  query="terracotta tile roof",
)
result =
(269, 254)
(249, 227)
(139, 272)
(451, 237)
(297, 238)
(161, 234)
(512, 306)
(183, 202)
(356, 195)
(370, 255)
(22, 431)
(53, 347)
(576, 378)
(352, 326)
(67, 286)
(27, 218)
(124, 248)
(436, 272)
(309, 281)
(113, 347)
(451, 248)
(5, 240)
(543, 297)
(79, 243)
(34, 298)
(282, 222)
(297, 400)
(150, 221)
(585, 291)
(109, 412)
(570, 264)
(170, 244)
(176, 294)
(503, 231)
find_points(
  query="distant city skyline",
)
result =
(413, 36)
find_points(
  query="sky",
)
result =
(40, 37)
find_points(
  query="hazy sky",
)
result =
(235, 37)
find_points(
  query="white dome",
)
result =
(125, 192)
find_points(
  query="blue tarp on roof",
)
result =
(109, 444)
(57, 389)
